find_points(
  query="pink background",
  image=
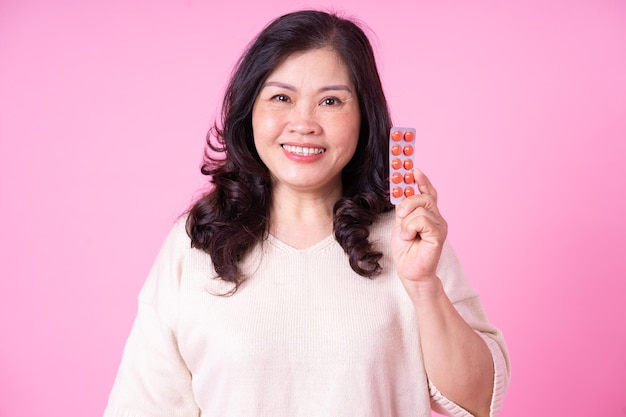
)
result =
(520, 109)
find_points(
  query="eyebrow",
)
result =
(321, 90)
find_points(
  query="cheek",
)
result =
(347, 145)
(257, 119)
(354, 146)
(263, 134)
(259, 128)
(264, 123)
(350, 127)
(352, 123)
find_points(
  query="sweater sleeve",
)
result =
(153, 379)
(466, 301)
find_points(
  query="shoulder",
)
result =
(177, 234)
(165, 274)
(177, 242)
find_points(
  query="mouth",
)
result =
(303, 150)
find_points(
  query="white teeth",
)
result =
(299, 150)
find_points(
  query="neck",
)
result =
(302, 220)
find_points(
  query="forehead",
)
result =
(322, 63)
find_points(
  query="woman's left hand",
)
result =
(418, 236)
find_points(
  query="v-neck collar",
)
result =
(322, 244)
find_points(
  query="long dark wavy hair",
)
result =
(234, 216)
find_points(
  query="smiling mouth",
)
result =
(304, 151)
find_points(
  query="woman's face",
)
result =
(306, 121)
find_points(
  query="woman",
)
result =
(293, 287)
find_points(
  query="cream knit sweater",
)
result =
(304, 337)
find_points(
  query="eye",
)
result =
(282, 98)
(331, 101)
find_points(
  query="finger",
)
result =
(410, 204)
(423, 223)
(423, 184)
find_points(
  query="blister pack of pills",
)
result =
(401, 163)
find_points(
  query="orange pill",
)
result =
(396, 178)
(408, 150)
(396, 192)
(396, 149)
(396, 135)
(408, 164)
(409, 135)
(396, 163)
(409, 178)
(409, 191)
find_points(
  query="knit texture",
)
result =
(303, 337)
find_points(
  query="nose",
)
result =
(303, 121)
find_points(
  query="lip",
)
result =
(303, 152)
